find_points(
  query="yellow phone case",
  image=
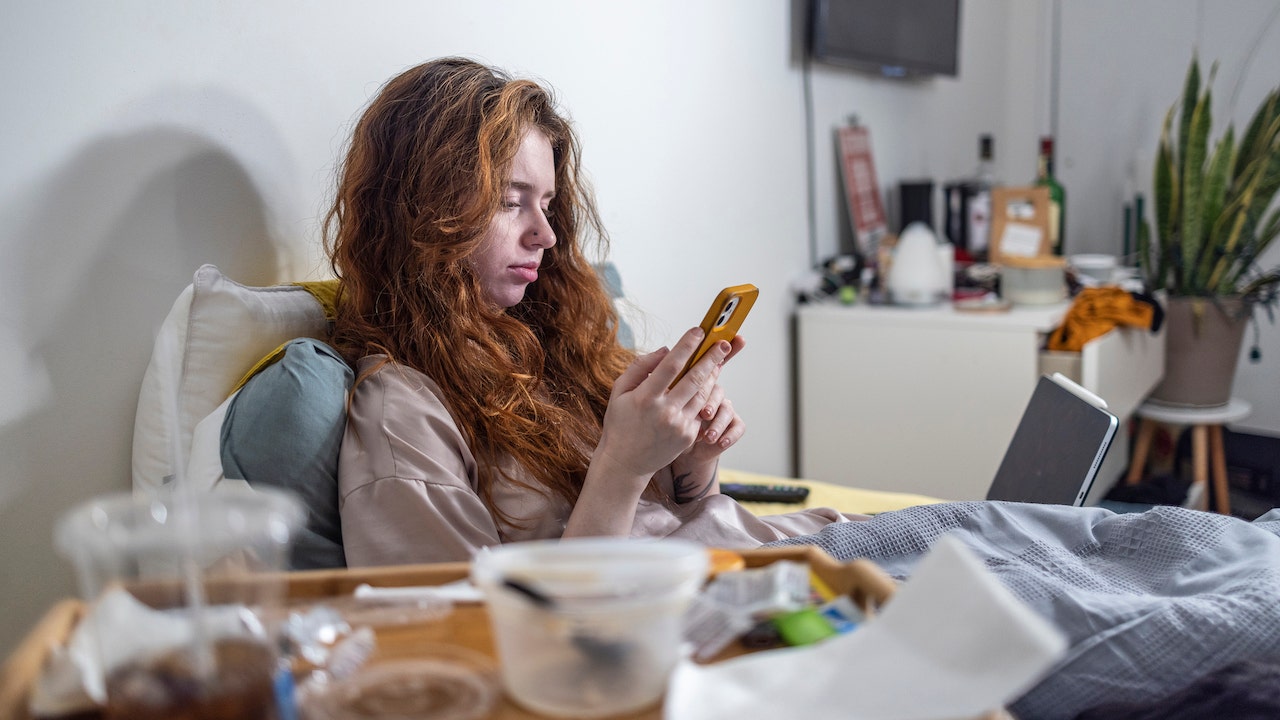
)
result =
(723, 320)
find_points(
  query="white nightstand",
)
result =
(926, 400)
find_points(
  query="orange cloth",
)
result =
(1096, 311)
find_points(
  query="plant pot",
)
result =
(1202, 347)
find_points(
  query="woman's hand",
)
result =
(648, 424)
(693, 473)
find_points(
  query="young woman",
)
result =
(493, 401)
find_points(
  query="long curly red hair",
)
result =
(425, 172)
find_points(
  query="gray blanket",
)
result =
(1150, 601)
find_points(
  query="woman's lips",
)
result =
(528, 273)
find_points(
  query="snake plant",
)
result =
(1211, 206)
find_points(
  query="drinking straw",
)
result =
(186, 518)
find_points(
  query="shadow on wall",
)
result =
(108, 243)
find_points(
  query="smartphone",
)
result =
(722, 321)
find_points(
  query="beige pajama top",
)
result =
(407, 488)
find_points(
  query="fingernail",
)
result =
(711, 436)
(724, 444)
(706, 411)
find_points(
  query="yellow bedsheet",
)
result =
(824, 494)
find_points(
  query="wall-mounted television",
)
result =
(895, 38)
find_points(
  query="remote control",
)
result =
(756, 492)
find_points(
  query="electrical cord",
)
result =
(811, 181)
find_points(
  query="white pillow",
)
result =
(215, 332)
(204, 465)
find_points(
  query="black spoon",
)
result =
(606, 652)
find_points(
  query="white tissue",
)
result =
(952, 643)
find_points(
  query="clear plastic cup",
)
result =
(588, 628)
(180, 589)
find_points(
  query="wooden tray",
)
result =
(466, 627)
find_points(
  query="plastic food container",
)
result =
(1037, 280)
(588, 628)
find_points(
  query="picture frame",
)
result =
(861, 188)
(1019, 223)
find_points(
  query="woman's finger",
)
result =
(697, 383)
(664, 375)
(712, 404)
(638, 370)
(733, 433)
(738, 343)
(716, 427)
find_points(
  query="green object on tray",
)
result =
(803, 627)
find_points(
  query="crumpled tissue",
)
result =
(74, 677)
(952, 643)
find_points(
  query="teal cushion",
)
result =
(284, 429)
(612, 280)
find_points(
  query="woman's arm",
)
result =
(406, 477)
(693, 474)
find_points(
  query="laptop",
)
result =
(1059, 445)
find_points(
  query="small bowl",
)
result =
(1097, 267)
(1033, 281)
(438, 682)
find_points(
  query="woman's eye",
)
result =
(511, 204)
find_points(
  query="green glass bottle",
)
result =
(1057, 196)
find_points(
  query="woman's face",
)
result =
(511, 250)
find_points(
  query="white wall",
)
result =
(1123, 66)
(929, 128)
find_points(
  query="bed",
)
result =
(1152, 602)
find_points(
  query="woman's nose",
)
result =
(541, 235)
